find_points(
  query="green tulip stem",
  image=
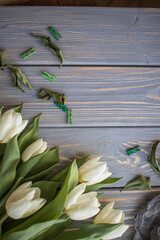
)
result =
(5, 216)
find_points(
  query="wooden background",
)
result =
(111, 79)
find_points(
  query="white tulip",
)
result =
(34, 149)
(80, 205)
(11, 124)
(24, 201)
(93, 171)
(112, 216)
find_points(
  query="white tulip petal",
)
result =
(16, 121)
(74, 194)
(25, 195)
(93, 173)
(89, 164)
(110, 215)
(116, 216)
(6, 121)
(83, 212)
(16, 211)
(34, 207)
(15, 130)
(88, 167)
(31, 149)
(41, 149)
(102, 177)
(118, 232)
(90, 202)
(22, 208)
(24, 201)
(86, 197)
(19, 190)
(37, 192)
(104, 212)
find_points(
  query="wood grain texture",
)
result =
(128, 201)
(114, 108)
(98, 96)
(91, 36)
(111, 144)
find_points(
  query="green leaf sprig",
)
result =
(46, 94)
(139, 183)
(18, 76)
(48, 43)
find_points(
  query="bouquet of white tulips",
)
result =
(32, 207)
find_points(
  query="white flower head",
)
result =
(93, 171)
(11, 124)
(112, 216)
(24, 201)
(37, 147)
(80, 205)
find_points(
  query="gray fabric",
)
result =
(147, 221)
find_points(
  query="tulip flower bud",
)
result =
(112, 216)
(11, 124)
(34, 149)
(24, 201)
(93, 171)
(80, 206)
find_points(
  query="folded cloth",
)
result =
(147, 221)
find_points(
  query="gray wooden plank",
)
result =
(91, 36)
(111, 144)
(128, 201)
(98, 96)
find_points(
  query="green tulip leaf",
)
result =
(153, 158)
(139, 183)
(29, 135)
(54, 209)
(27, 166)
(18, 76)
(100, 194)
(48, 160)
(33, 231)
(2, 58)
(46, 94)
(48, 43)
(48, 189)
(55, 230)
(102, 184)
(19, 108)
(8, 165)
(1, 110)
(63, 173)
(39, 176)
(2, 149)
(89, 232)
